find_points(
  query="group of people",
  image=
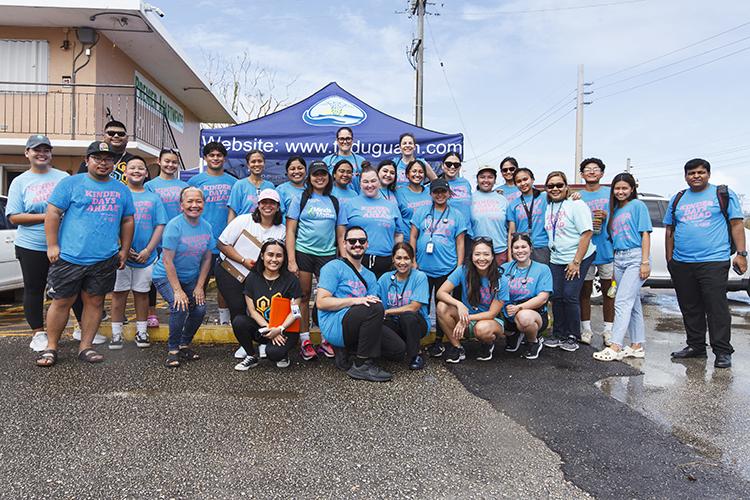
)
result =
(385, 244)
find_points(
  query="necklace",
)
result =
(269, 283)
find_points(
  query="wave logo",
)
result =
(334, 111)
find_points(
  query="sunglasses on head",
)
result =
(354, 241)
(116, 133)
(556, 185)
(452, 164)
(482, 239)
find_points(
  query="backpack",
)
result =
(722, 193)
(306, 197)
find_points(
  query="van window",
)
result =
(656, 210)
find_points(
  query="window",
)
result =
(24, 61)
(656, 209)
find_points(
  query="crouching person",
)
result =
(351, 314)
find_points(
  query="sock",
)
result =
(262, 350)
(586, 325)
(304, 336)
(116, 328)
(608, 327)
(224, 316)
(141, 326)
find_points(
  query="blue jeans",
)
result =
(182, 324)
(628, 310)
(566, 305)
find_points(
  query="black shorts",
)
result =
(510, 325)
(312, 263)
(67, 280)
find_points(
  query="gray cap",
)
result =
(38, 140)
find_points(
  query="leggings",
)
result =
(246, 330)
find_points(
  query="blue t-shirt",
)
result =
(339, 279)
(511, 193)
(565, 222)
(149, 213)
(526, 283)
(700, 231)
(316, 225)
(408, 201)
(380, 219)
(244, 195)
(488, 212)
(461, 197)
(442, 229)
(599, 200)
(216, 190)
(517, 214)
(487, 292)
(395, 293)
(628, 225)
(189, 243)
(28, 194)
(288, 192)
(401, 180)
(356, 162)
(343, 194)
(93, 211)
(169, 193)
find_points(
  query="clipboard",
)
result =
(248, 246)
(280, 309)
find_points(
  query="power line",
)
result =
(719, 152)
(542, 130)
(486, 14)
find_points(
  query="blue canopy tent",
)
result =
(308, 129)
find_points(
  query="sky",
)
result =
(669, 77)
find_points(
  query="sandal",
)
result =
(90, 356)
(46, 358)
(188, 354)
(173, 361)
(608, 354)
(629, 352)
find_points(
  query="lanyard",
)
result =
(394, 284)
(386, 193)
(554, 219)
(529, 210)
(444, 218)
(353, 159)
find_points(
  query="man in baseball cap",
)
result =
(38, 140)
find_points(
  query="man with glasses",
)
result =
(89, 228)
(351, 314)
(116, 136)
(344, 142)
(508, 168)
(596, 197)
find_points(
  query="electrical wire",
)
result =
(480, 15)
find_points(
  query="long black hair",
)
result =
(614, 204)
(277, 217)
(259, 266)
(392, 186)
(474, 279)
(308, 192)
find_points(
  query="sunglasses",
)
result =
(344, 139)
(518, 235)
(511, 169)
(354, 241)
(483, 239)
(116, 133)
(557, 185)
(452, 164)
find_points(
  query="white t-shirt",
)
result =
(245, 222)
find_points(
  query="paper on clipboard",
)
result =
(248, 247)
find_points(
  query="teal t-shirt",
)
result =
(244, 195)
(628, 225)
(442, 228)
(28, 194)
(149, 213)
(216, 190)
(189, 244)
(599, 200)
(518, 211)
(487, 291)
(168, 191)
(488, 212)
(316, 225)
(409, 201)
(380, 219)
(526, 283)
(394, 293)
(565, 222)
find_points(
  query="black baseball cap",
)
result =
(317, 166)
(97, 147)
(439, 184)
(38, 140)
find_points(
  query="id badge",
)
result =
(429, 248)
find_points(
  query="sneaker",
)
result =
(569, 345)
(607, 336)
(116, 342)
(283, 363)
(38, 342)
(436, 349)
(152, 322)
(240, 353)
(417, 362)
(98, 338)
(485, 352)
(307, 351)
(552, 342)
(142, 340)
(533, 350)
(246, 364)
(586, 336)
(369, 371)
(326, 350)
(342, 360)
(455, 355)
(513, 342)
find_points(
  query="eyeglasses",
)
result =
(482, 239)
(116, 133)
(354, 241)
(592, 170)
(344, 139)
(452, 164)
(103, 159)
(557, 185)
(508, 169)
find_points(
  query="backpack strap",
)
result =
(722, 193)
(677, 198)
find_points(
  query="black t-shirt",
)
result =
(118, 173)
(258, 289)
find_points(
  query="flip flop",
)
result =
(90, 356)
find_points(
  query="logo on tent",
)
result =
(334, 111)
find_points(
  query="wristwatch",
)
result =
(742, 253)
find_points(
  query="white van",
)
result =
(10, 269)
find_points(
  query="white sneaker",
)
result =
(284, 363)
(98, 338)
(38, 342)
(586, 336)
(607, 336)
(262, 351)
(240, 353)
(116, 342)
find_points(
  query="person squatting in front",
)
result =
(351, 313)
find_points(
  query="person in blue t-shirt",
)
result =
(380, 218)
(509, 188)
(27, 203)
(437, 236)
(483, 293)
(244, 195)
(414, 195)
(311, 243)
(343, 187)
(530, 286)
(181, 273)
(408, 148)
(597, 197)
(629, 227)
(217, 186)
(525, 214)
(405, 295)
(89, 229)
(351, 313)
(488, 213)
(296, 172)
(387, 175)
(344, 143)
(698, 252)
(150, 218)
(460, 187)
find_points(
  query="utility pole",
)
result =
(418, 8)
(580, 103)
(627, 165)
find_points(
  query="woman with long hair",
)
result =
(311, 243)
(475, 314)
(408, 146)
(530, 285)
(569, 228)
(343, 188)
(630, 229)
(488, 213)
(296, 173)
(509, 189)
(526, 215)
(268, 279)
(387, 176)
(414, 195)
(405, 295)
(460, 187)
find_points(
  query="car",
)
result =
(10, 269)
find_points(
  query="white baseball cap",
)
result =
(269, 194)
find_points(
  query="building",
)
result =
(66, 68)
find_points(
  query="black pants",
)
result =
(410, 327)
(377, 264)
(701, 289)
(365, 337)
(233, 292)
(246, 331)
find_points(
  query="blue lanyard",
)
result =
(394, 284)
(554, 219)
(444, 218)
